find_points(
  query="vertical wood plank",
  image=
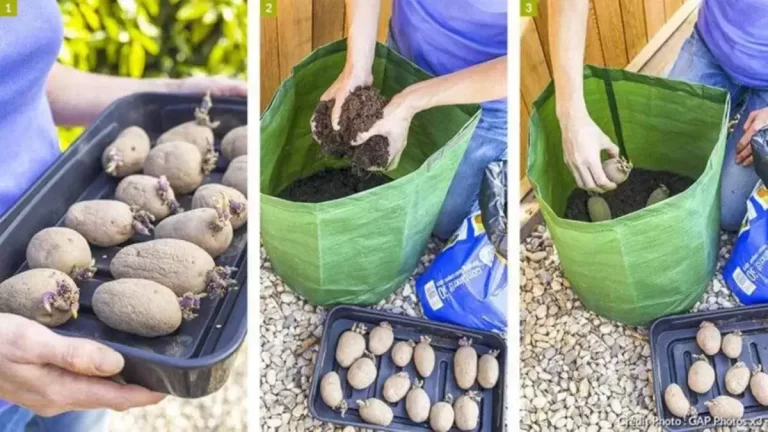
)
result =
(611, 33)
(534, 75)
(269, 67)
(654, 17)
(593, 51)
(327, 21)
(384, 14)
(671, 6)
(542, 25)
(294, 24)
(524, 116)
(633, 17)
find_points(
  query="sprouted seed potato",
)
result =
(402, 353)
(363, 372)
(465, 364)
(198, 132)
(126, 155)
(701, 375)
(150, 194)
(758, 384)
(331, 393)
(677, 403)
(209, 195)
(732, 345)
(708, 338)
(417, 403)
(725, 408)
(47, 296)
(208, 228)
(63, 249)
(617, 169)
(737, 378)
(441, 415)
(108, 223)
(424, 357)
(467, 411)
(396, 387)
(380, 339)
(375, 412)
(351, 345)
(488, 370)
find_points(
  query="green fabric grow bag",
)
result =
(656, 261)
(358, 249)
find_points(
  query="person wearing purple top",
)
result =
(463, 43)
(50, 382)
(728, 49)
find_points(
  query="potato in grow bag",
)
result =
(355, 249)
(621, 268)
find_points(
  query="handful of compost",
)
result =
(361, 110)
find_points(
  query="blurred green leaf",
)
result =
(152, 6)
(138, 60)
(193, 10)
(90, 16)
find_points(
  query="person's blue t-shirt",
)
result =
(29, 44)
(446, 36)
(736, 32)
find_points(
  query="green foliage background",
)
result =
(154, 38)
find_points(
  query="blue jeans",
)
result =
(17, 419)
(696, 64)
(488, 144)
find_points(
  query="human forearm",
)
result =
(567, 37)
(480, 83)
(363, 16)
(78, 97)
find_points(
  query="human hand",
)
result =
(50, 374)
(583, 141)
(394, 125)
(350, 79)
(219, 86)
(757, 121)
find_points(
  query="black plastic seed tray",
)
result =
(195, 360)
(673, 345)
(445, 340)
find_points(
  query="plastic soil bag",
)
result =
(467, 283)
(493, 205)
(745, 273)
(356, 249)
(658, 260)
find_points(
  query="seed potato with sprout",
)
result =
(617, 169)
(737, 378)
(424, 357)
(417, 403)
(126, 155)
(658, 195)
(441, 415)
(177, 264)
(108, 223)
(351, 345)
(396, 387)
(63, 249)
(363, 372)
(402, 352)
(598, 209)
(677, 403)
(142, 307)
(181, 164)
(235, 143)
(236, 175)
(467, 411)
(375, 412)
(47, 296)
(725, 408)
(465, 364)
(708, 338)
(701, 376)
(209, 194)
(380, 339)
(198, 132)
(151, 194)
(331, 392)
(208, 228)
(732, 345)
(759, 385)
(488, 370)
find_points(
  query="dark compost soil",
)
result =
(329, 185)
(630, 196)
(362, 108)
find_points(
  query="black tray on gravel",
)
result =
(673, 343)
(195, 360)
(445, 340)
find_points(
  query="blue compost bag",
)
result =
(745, 272)
(466, 285)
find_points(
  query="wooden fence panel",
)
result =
(633, 17)
(654, 16)
(269, 69)
(327, 21)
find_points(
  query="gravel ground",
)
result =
(225, 410)
(581, 372)
(290, 334)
